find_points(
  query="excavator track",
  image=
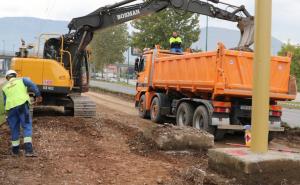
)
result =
(83, 106)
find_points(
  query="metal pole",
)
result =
(3, 41)
(261, 76)
(206, 32)
(128, 66)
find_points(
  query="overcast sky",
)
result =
(285, 13)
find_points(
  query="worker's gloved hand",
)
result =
(39, 99)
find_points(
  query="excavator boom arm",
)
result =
(118, 13)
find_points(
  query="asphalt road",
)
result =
(113, 87)
(298, 97)
(290, 116)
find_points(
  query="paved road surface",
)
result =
(298, 97)
(113, 87)
(290, 116)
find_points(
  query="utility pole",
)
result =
(3, 42)
(261, 76)
(206, 32)
(128, 66)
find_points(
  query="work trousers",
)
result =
(176, 50)
(20, 117)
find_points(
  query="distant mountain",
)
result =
(29, 28)
(227, 36)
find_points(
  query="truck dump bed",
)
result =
(220, 73)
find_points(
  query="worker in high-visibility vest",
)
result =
(16, 103)
(175, 43)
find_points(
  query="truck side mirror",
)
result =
(136, 65)
(141, 65)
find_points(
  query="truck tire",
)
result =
(155, 111)
(201, 121)
(219, 134)
(141, 107)
(184, 116)
(271, 136)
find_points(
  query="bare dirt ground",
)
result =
(108, 149)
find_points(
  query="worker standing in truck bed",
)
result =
(175, 43)
(16, 102)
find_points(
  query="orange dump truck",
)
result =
(207, 90)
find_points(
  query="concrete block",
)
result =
(271, 168)
(169, 137)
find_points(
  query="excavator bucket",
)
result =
(246, 27)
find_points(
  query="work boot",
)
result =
(15, 150)
(29, 150)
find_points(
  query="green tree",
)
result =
(157, 29)
(295, 66)
(109, 45)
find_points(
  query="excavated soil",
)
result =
(108, 149)
(102, 150)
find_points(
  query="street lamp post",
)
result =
(128, 65)
(261, 76)
(3, 42)
(206, 32)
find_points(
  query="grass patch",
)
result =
(290, 104)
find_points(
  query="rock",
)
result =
(159, 180)
(41, 165)
(67, 170)
(195, 175)
(181, 138)
(93, 133)
(100, 181)
(81, 155)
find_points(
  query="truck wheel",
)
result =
(184, 116)
(201, 119)
(155, 112)
(141, 107)
(271, 136)
(219, 134)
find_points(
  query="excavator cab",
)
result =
(59, 77)
(61, 50)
